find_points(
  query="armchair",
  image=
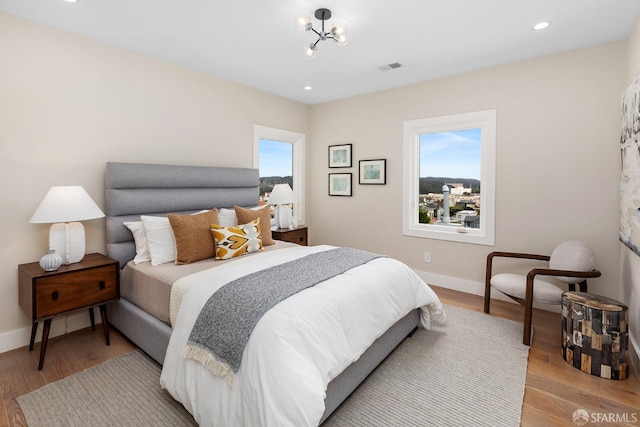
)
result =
(571, 262)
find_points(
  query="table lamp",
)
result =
(282, 195)
(64, 206)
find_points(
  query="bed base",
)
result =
(344, 384)
(146, 331)
(152, 336)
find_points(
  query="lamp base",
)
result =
(283, 216)
(68, 240)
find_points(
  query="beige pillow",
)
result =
(247, 215)
(193, 236)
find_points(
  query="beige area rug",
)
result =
(470, 372)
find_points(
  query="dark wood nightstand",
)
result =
(297, 235)
(92, 282)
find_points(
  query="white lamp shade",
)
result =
(65, 204)
(282, 194)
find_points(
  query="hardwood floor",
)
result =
(66, 355)
(554, 389)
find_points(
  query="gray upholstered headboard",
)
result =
(134, 189)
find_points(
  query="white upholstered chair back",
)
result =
(572, 255)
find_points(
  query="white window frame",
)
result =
(297, 140)
(486, 121)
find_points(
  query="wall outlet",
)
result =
(427, 257)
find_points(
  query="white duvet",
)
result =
(298, 347)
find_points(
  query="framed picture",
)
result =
(340, 184)
(340, 156)
(629, 228)
(373, 171)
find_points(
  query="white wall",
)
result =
(630, 262)
(69, 104)
(558, 127)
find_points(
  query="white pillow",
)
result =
(160, 241)
(137, 229)
(227, 217)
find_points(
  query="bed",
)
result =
(134, 190)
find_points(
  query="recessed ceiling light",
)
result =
(307, 87)
(541, 25)
(71, 1)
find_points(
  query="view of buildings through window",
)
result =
(449, 177)
(275, 164)
(450, 170)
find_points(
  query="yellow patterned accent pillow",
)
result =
(237, 240)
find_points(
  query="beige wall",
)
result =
(68, 105)
(633, 52)
(630, 262)
(558, 121)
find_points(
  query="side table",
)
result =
(595, 334)
(43, 295)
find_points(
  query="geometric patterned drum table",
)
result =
(595, 335)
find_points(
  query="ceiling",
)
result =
(255, 42)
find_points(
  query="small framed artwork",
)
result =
(340, 184)
(373, 171)
(340, 156)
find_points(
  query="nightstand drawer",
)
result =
(298, 235)
(71, 291)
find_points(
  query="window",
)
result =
(280, 153)
(449, 177)
(275, 164)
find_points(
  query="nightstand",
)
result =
(94, 281)
(297, 235)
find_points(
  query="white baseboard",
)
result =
(59, 326)
(456, 284)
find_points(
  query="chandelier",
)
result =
(338, 32)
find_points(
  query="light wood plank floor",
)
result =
(554, 389)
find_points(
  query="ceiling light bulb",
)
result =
(307, 87)
(303, 23)
(339, 29)
(340, 40)
(310, 52)
(71, 1)
(541, 25)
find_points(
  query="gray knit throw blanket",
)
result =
(223, 327)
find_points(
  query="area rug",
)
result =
(470, 371)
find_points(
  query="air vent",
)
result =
(391, 66)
